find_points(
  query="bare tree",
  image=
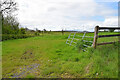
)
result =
(7, 7)
(10, 20)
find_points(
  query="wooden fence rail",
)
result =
(109, 28)
(108, 35)
(106, 43)
(96, 36)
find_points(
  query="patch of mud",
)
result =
(22, 72)
(87, 68)
(27, 55)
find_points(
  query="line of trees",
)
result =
(109, 30)
(10, 24)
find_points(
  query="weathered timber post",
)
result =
(42, 33)
(95, 37)
(1, 24)
(62, 32)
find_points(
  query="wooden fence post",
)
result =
(95, 37)
(1, 24)
(62, 32)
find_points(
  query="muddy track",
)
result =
(28, 69)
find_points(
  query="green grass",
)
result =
(57, 59)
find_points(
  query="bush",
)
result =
(15, 36)
(36, 33)
(22, 30)
(111, 30)
(81, 45)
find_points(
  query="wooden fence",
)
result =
(96, 36)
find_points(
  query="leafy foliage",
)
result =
(22, 30)
(10, 24)
(9, 21)
(111, 30)
(15, 36)
(81, 44)
(37, 33)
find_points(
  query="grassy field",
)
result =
(49, 56)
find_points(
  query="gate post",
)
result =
(95, 37)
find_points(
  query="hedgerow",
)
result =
(15, 36)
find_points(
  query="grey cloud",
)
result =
(52, 9)
(61, 13)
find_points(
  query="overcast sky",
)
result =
(67, 14)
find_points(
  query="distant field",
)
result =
(49, 56)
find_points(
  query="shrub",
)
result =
(81, 44)
(76, 59)
(36, 33)
(15, 36)
(22, 30)
(111, 30)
